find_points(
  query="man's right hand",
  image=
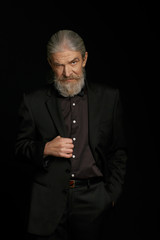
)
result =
(59, 147)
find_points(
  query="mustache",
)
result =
(71, 77)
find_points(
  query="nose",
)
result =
(67, 71)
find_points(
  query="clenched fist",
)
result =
(59, 147)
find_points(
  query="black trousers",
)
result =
(84, 217)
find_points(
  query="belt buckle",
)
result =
(72, 183)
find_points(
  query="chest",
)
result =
(75, 114)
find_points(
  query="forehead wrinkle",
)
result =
(65, 57)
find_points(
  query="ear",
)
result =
(85, 59)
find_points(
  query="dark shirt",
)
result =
(75, 113)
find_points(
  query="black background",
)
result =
(122, 41)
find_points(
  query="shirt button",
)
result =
(72, 175)
(74, 139)
(74, 121)
(73, 156)
(74, 104)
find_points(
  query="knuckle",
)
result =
(61, 145)
(62, 149)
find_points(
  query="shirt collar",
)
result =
(80, 94)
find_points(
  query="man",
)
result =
(71, 132)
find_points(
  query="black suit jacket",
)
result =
(40, 120)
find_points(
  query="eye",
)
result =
(73, 62)
(57, 65)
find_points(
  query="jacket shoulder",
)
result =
(103, 88)
(38, 92)
(36, 98)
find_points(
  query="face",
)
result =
(68, 67)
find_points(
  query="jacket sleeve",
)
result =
(27, 146)
(118, 154)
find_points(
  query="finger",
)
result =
(69, 145)
(66, 150)
(66, 155)
(67, 140)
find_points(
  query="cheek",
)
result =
(78, 70)
(57, 72)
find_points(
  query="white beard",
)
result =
(70, 89)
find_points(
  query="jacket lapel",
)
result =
(53, 107)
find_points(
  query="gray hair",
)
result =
(65, 39)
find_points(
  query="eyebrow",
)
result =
(75, 59)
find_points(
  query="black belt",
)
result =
(84, 182)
